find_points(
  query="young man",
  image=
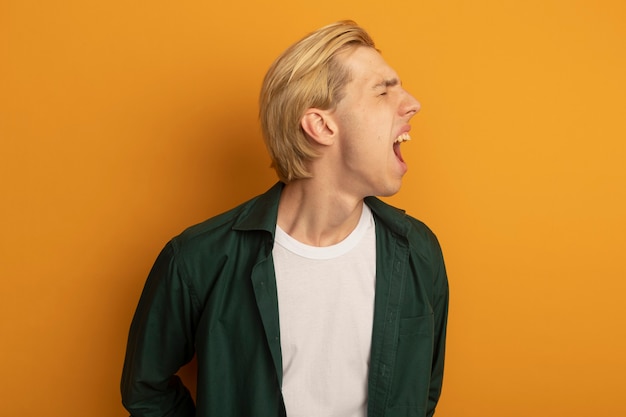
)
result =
(314, 299)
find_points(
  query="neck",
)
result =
(317, 215)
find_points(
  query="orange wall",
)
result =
(120, 124)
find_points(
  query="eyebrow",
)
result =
(387, 83)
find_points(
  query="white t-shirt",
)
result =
(326, 309)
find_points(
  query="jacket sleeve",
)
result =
(440, 311)
(160, 341)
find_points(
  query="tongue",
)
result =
(396, 150)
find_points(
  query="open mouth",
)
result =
(396, 145)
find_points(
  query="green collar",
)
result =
(261, 213)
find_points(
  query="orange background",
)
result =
(122, 122)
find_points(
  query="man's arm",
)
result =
(160, 341)
(440, 310)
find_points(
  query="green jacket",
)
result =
(212, 293)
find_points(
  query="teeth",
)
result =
(402, 138)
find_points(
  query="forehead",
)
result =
(367, 66)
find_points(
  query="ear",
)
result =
(319, 126)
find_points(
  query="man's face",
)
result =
(372, 120)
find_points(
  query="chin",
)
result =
(390, 189)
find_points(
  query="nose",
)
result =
(410, 105)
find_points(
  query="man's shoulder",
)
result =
(221, 221)
(398, 221)
(258, 213)
(420, 228)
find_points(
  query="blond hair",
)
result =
(307, 75)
